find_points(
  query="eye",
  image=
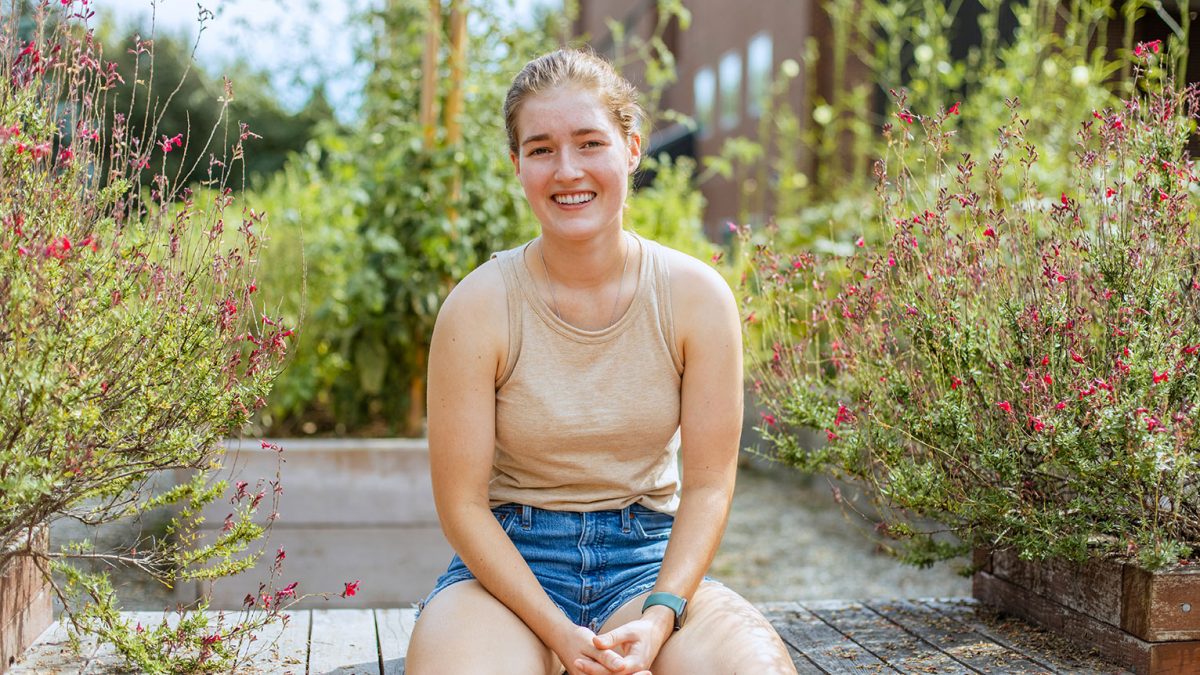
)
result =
(538, 151)
(592, 144)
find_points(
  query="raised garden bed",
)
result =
(1146, 621)
(25, 607)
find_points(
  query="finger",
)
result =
(611, 660)
(590, 667)
(606, 641)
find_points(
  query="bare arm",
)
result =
(469, 342)
(708, 330)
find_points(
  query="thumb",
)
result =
(605, 641)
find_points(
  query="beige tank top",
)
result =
(588, 420)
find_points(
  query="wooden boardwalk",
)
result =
(836, 637)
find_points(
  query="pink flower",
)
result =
(830, 435)
(860, 243)
(906, 116)
(891, 260)
(168, 144)
(288, 591)
(768, 418)
(351, 589)
(1061, 405)
(1005, 406)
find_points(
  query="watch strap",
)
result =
(675, 603)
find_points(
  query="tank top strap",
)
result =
(516, 304)
(661, 284)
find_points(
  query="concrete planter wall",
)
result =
(1146, 621)
(350, 509)
(25, 604)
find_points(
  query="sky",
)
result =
(299, 42)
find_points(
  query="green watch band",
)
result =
(671, 601)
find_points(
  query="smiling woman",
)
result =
(592, 365)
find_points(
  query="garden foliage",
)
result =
(1017, 356)
(132, 339)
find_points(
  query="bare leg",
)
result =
(464, 629)
(723, 634)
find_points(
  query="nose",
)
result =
(568, 168)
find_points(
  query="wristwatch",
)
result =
(671, 601)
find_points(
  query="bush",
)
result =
(1020, 367)
(131, 342)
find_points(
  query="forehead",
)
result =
(562, 110)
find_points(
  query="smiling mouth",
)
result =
(572, 199)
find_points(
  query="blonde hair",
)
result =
(566, 67)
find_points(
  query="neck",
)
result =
(584, 264)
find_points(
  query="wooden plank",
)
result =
(1163, 605)
(827, 648)
(956, 639)
(51, 654)
(887, 640)
(395, 627)
(281, 647)
(1093, 588)
(343, 641)
(1033, 643)
(777, 613)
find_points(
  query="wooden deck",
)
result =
(836, 637)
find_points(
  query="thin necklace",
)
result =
(612, 317)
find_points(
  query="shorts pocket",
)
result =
(506, 515)
(650, 524)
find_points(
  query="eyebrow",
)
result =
(536, 138)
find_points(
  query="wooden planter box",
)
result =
(1146, 621)
(25, 607)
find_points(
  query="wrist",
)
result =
(662, 619)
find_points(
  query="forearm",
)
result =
(695, 537)
(489, 554)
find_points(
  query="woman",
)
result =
(565, 379)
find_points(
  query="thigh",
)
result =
(448, 639)
(723, 634)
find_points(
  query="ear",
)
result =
(516, 162)
(634, 142)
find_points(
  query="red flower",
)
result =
(1109, 192)
(1005, 406)
(830, 435)
(351, 589)
(1076, 357)
(1064, 200)
(1061, 405)
(1036, 423)
(1159, 377)
(768, 418)
(906, 116)
(954, 108)
(289, 590)
(1191, 350)
(1047, 379)
(954, 382)
(860, 243)
(989, 232)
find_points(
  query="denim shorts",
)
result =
(590, 563)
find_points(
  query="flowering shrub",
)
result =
(131, 341)
(1021, 368)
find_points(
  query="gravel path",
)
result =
(788, 540)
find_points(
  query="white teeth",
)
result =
(575, 198)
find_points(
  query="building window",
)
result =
(704, 86)
(731, 90)
(758, 73)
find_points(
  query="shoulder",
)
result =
(476, 311)
(695, 284)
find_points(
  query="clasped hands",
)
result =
(628, 649)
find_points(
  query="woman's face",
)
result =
(573, 162)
